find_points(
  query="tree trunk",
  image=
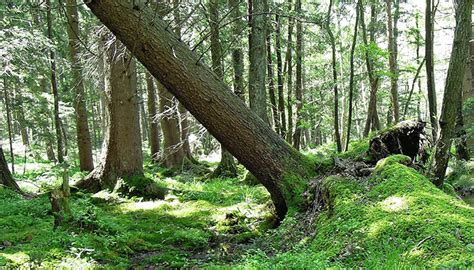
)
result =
(226, 167)
(54, 85)
(6, 178)
(122, 153)
(82, 126)
(237, 55)
(9, 122)
(281, 98)
(152, 118)
(351, 75)
(271, 83)
(453, 89)
(337, 135)
(299, 78)
(173, 152)
(143, 114)
(392, 48)
(257, 58)
(281, 169)
(430, 80)
(289, 72)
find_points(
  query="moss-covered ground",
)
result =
(394, 219)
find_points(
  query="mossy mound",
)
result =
(402, 220)
(140, 186)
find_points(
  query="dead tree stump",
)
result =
(407, 138)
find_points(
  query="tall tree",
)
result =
(281, 169)
(453, 89)
(122, 152)
(271, 82)
(430, 80)
(226, 167)
(257, 58)
(6, 99)
(289, 73)
(281, 98)
(351, 74)
(152, 118)
(54, 84)
(82, 124)
(372, 121)
(392, 49)
(237, 54)
(6, 178)
(299, 78)
(337, 135)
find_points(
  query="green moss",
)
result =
(402, 159)
(357, 150)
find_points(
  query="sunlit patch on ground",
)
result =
(394, 204)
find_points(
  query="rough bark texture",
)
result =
(337, 135)
(281, 169)
(299, 78)
(54, 85)
(289, 74)
(392, 48)
(82, 125)
(453, 89)
(257, 58)
(122, 152)
(6, 178)
(271, 83)
(237, 54)
(152, 118)
(430, 80)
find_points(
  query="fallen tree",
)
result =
(280, 168)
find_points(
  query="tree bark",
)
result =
(430, 80)
(337, 135)
(299, 78)
(237, 54)
(281, 169)
(6, 178)
(271, 83)
(9, 122)
(351, 75)
(226, 167)
(289, 73)
(82, 125)
(453, 89)
(281, 98)
(392, 48)
(257, 58)
(54, 85)
(152, 118)
(122, 153)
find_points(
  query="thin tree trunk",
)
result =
(337, 135)
(430, 80)
(54, 86)
(237, 54)
(271, 84)
(281, 169)
(289, 74)
(82, 125)
(453, 89)
(9, 122)
(281, 98)
(143, 114)
(299, 78)
(226, 167)
(392, 48)
(351, 75)
(152, 118)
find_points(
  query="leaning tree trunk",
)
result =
(453, 89)
(6, 178)
(82, 126)
(280, 168)
(122, 154)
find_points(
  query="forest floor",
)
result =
(393, 219)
